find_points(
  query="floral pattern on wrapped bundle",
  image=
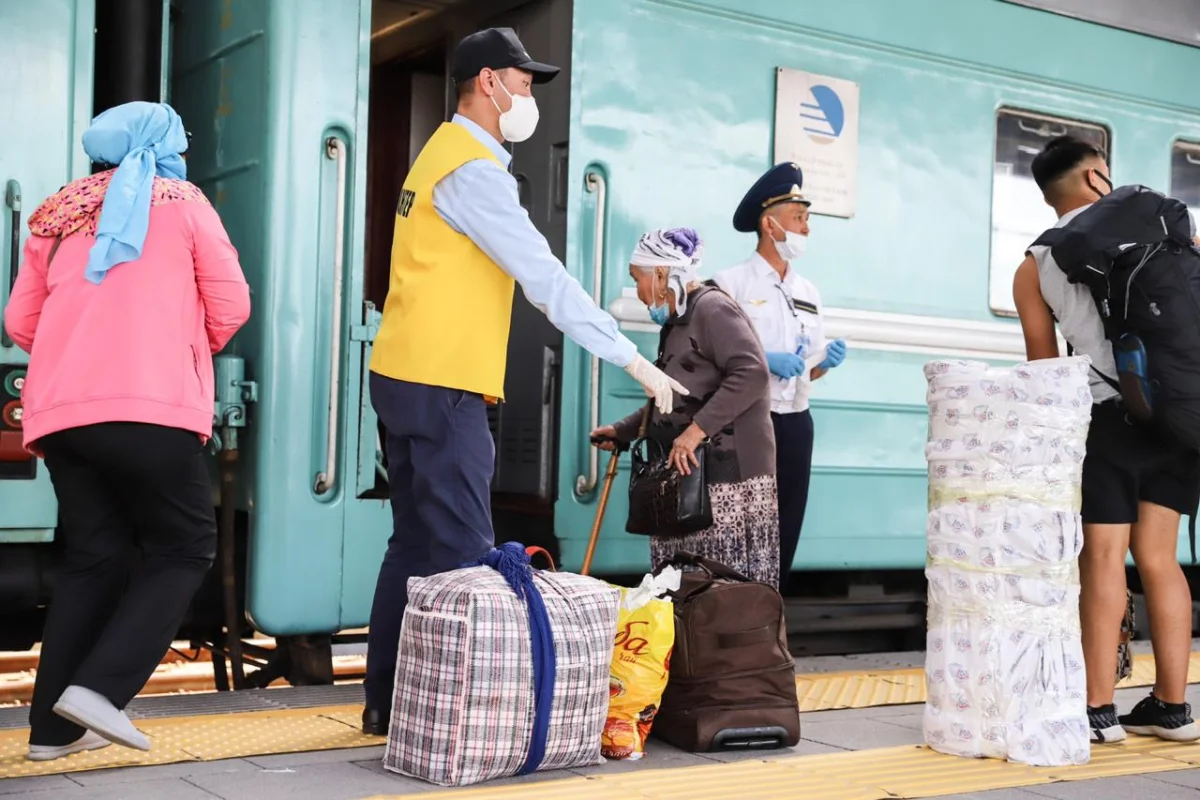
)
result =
(1004, 659)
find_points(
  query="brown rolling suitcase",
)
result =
(732, 681)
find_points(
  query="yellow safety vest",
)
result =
(448, 309)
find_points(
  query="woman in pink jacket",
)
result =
(128, 286)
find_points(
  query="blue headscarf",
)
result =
(143, 140)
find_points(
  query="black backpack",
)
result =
(1133, 250)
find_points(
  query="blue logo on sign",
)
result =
(827, 113)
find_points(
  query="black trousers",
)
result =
(441, 456)
(793, 468)
(120, 486)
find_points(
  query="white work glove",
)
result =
(657, 383)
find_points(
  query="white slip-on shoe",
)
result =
(94, 712)
(46, 752)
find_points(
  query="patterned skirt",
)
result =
(744, 535)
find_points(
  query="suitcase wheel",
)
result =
(759, 738)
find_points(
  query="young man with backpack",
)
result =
(1119, 276)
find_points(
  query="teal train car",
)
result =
(915, 122)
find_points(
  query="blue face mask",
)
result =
(660, 313)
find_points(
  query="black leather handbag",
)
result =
(662, 500)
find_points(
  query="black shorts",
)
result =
(1127, 463)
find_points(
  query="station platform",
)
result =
(861, 730)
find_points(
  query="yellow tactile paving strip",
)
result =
(204, 738)
(834, 690)
(893, 772)
(213, 737)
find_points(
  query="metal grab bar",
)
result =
(594, 183)
(1045, 130)
(12, 199)
(335, 149)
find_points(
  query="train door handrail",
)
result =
(595, 183)
(12, 199)
(335, 149)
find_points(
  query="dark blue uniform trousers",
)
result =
(793, 468)
(440, 458)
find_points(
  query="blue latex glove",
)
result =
(835, 354)
(785, 365)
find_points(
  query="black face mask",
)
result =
(1102, 177)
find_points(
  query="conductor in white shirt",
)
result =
(785, 310)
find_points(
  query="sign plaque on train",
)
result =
(816, 126)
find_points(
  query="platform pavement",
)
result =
(358, 773)
(355, 774)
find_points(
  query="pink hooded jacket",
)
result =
(137, 347)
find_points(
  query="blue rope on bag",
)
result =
(512, 562)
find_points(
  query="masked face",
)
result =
(793, 244)
(660, 313)
(519, 122)
(652, 290)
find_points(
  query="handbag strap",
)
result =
(53, 249)
(533, 550)
(641, 434)
(714, 570)
(662, 345)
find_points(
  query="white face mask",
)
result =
(792, 245)
(519, 122)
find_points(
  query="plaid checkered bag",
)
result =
(463, 711)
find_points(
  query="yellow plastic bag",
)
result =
(640, 665)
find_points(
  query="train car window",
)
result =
(1185, 174)
(1019, 214)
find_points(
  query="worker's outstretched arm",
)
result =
(480, 200)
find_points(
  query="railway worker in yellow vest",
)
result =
(785, 310)
(462, 242)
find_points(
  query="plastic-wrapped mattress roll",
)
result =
(1004, 660)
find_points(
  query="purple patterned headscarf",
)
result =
(677, 249)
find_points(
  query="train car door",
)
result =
(410, 97)
(275, 92)
(46, 103)
(525, 427)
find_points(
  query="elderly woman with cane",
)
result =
(128, 286)
(709, 346)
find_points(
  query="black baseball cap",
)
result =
(496, 48)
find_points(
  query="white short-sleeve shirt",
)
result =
(786, 314)
(1077, 317)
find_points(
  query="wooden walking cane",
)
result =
(609, 475)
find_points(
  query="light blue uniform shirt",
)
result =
(480, 201)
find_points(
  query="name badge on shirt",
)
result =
(406, 202)
(803, 342)
(803, 305)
